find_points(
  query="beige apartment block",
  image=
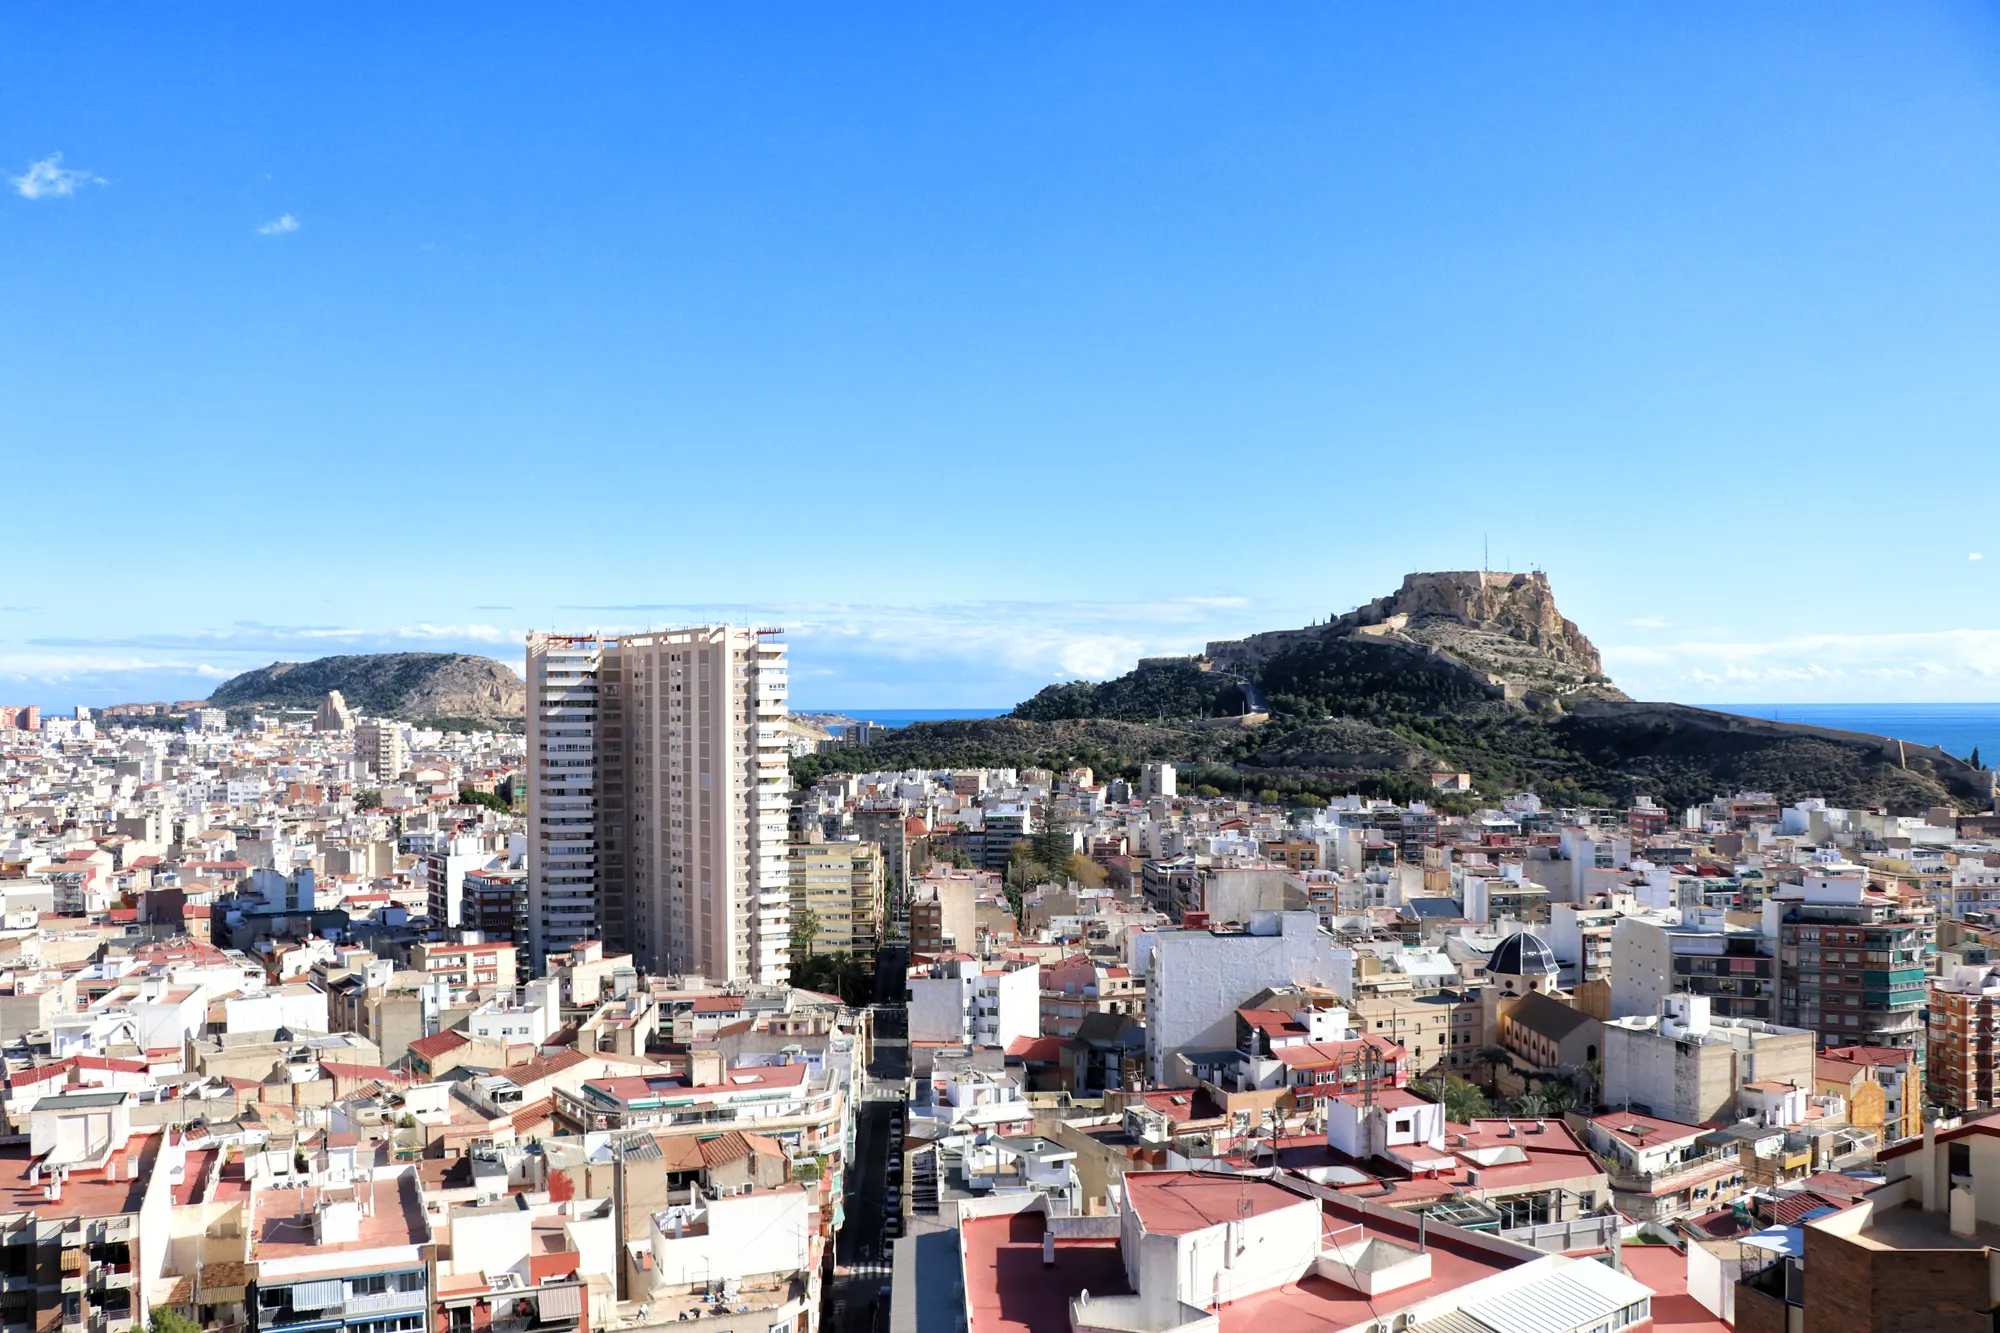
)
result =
(841, 884)
(657, 799)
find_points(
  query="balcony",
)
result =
(382, 1301)
(1674, 1178)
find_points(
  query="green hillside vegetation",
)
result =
(1356, 714)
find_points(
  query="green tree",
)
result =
(805, 929)
(1585, 1081)
(368, 798)
(1463, 1103)
(1206, 792)
(1532, 1104)
(1053, 847)
(491, 800)
(837, 973)
(1085, 871)
(1493, 1057)
(1557, 1096)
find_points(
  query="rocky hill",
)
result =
(411, 686)
(1461, 671)
(1502, 629)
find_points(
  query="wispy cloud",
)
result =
(1650, 622)
(1019, 641)
(50, 179)
(278, 226)
(990, 653)
(1975, 556)
(1954, 665)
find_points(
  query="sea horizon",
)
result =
(1956, 728)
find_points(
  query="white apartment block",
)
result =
(966, 1001)
(657, 799)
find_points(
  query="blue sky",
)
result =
(985, 347)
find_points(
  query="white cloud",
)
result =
(1651, 622)
(278, 226)
(1975, 556)
(461, 633)
(985, 653)
(50, 179)
(1956, 665)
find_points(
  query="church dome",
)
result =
(1522, 955)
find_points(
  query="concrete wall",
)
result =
(1229, 1261)
(1641, 968)
(1198, 981)
(302, 1009)
(937, 1008)
(763, 1232)
(1693, 1084)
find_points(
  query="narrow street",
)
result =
(857, 1299)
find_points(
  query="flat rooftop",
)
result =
(1909, 1227)
(1664, 1269)
(1176, 1202)
(1318, 1304)
(282, 1220)
(1010, 1290)
(85, 1193)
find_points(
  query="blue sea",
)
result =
(1955, 728)
(903, 717)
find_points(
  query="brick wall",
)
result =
(1758, 1313)
(1850, 1286)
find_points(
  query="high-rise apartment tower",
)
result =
(378, 744)
(657, 798)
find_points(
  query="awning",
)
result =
(325, 1295)
(559, 1303)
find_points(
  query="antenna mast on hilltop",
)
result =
(1485, 553)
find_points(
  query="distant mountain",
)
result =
(1460, 671)
(411, 686)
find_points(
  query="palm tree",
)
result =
(1586, 1081)
(1464, 1103)
(1533, 1104)
(1556, 1096)
(1493, 1057)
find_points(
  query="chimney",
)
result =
(1048, 1249)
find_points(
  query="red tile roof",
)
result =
(1038, 1050)
(441, 1044)
(1788, 1211)
(1869, 1055)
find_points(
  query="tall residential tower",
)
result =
(676, 840)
